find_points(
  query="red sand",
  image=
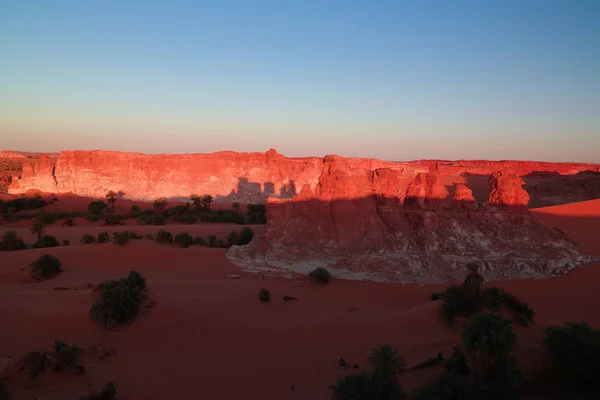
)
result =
(209, 336)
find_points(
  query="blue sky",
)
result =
(396, 80)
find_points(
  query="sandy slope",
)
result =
(210, 338)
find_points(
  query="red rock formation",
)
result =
(426, 191)
(252, 177)
(507, 190)
(463, 197)
(359, 235)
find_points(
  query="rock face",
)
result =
(253, 177)
(507, 190)
(366, 229)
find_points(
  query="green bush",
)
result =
(12, 242)
(232, 239)
(164, 237)
(381, 383)
(103, 237)
(134, 211)
(87, 238)
(46, 241)
(184, 239)
(212, 241)
(319, 275)
(151, 219)
(245, 236)
(188, 219)
(25, 203)
(108, 393)
(149, 236)
(200, 241)
(264, 295)
(121, 238)
(111, 219)
(96, 207)
(66, 356)
(575, 350)
(119, 300)
(66, 242)
(45, 267)
(256, 214)
(521, 312)
(69, 222)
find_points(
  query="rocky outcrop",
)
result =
(253, 177)
(367, 234)
(463, 197)
(507, 190)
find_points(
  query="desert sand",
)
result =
(209, 337)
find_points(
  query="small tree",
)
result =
(45, 267)
(134, 211)
(236, 207)
(207, 201)
(12, 242)
(96, 207)
(38, 228)
(196, 202)
(111, 197)
(160, 205)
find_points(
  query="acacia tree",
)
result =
(38, 228)
(111, 197)
(196, 201)
(207, 201)
(160, 204)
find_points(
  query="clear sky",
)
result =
(397, 79)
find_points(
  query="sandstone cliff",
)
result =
(253, 177)
(361, 231)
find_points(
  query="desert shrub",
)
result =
(134, 211)
(121, 238)
(448, 386)
(12, 242)
(103, 237)
(34, 362)
(188, 219)
(108, 393)
(46, 241)
(380, 383)
(200, 241)
(164, 237)
(223, 216)
(66, 355)
(184, 239)
(521, 312)
(25, 203)
(69, 222)
(46, 218)
(232, 239)
(176, 212)
(66, 242)
(575, 350)
(119, 300)
(93, 217)
(46, 266)
(160, 204)
(319, 275)
(111, 219)
(467, 299)
(87, 238)
(149, 236)
(212, 241)
(264, 295)
(245, 236)
(256, 214)
(151, 219)
(96, 207)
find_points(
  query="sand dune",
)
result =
(209, 337)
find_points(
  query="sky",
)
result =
(395, 80)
